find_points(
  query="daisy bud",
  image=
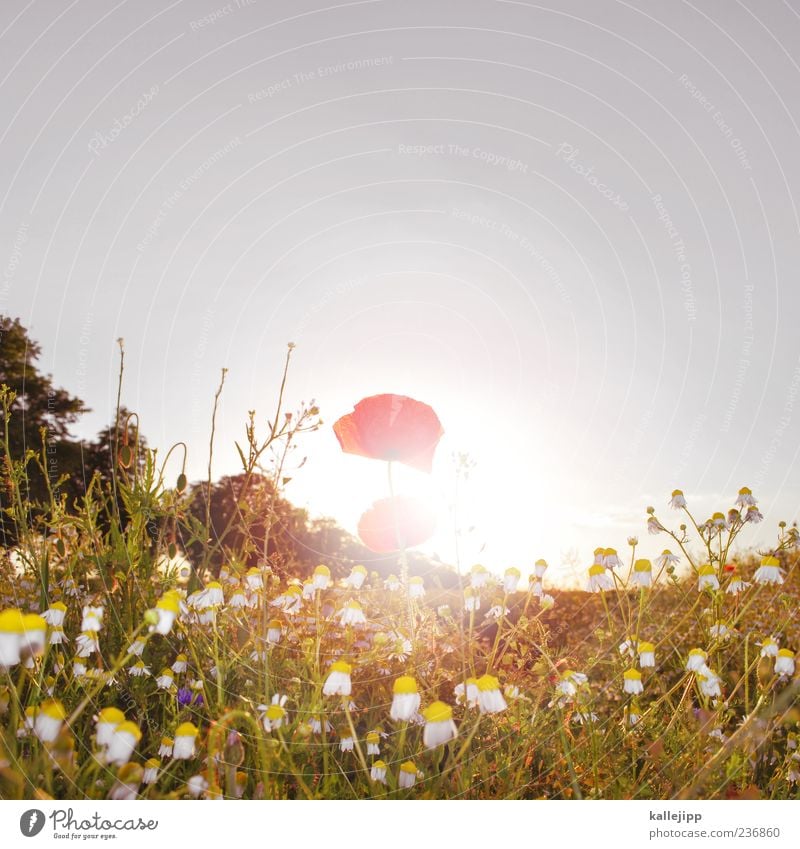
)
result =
(392, 583)
(11, 634)
(211, 597)
(373, 743)
(707, 577)
(184, 745)
(167, 609)
(677, 501)
(784, 663)
(165, 679)
(126, 787)
(92, 618)
(151, 771)
(568, 684)
(107, 721)
(769, 572)
(643, 573)
(238, 600)
(490, 699)
(478, 576)
(356, 578)
(720, 630)
(315, 726)
(472, 599)
(139, 670)
(49, 720)
(274, 632)
(709, 682)
(769, 648)
(378, 772)
(408, 775)
(254, 579)
(54, 615)
(136, 647)
(647, 656)
(511, 580)
(197, 785)
(322, 577)
(416, 587)
(632, 682)
(719, 522)
(470, 690)
(338, 681)
(745, 497)
(123, 741)
(439, 725)
(405, 699)
(352, 614)
(736, 584)
(599, 579)
(275, 714)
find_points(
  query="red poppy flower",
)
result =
(394, 523)
(391, 427)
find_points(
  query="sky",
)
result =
(569, 227)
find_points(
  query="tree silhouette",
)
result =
(38, 405)
(39, 424)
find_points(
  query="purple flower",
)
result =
(184, 696)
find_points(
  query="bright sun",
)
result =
(507, 514)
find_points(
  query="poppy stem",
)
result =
(404, 576)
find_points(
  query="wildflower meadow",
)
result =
(128, 670)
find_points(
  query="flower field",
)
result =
(121, 677)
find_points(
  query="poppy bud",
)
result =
(234, 750)
(172, 550)
(180, 486)
(125, 456)
(764, 671)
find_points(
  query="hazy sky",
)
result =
(568, 226)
